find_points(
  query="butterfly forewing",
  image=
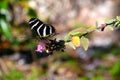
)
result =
(41, 29)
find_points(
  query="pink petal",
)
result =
(40, 48)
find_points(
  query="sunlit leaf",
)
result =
(91, 28)
(118, 18)
(116, 24)
(76, 41)
(80, 30)
(71, 45)
(110, 28)
(67, 37)
(5, 29)
(75, 33)
(85, 43)
(110, 20)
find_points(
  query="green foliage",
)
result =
(4, 21)
(6, 29)
(108, 21)
(99, 77)
(83, 78)
(32, 13)
(15, 75)
(82, 32)
(4, 4)
(115, 71)
(115, 22)
(110, 27)
(75, 42)
(5, 26)
(118, 18)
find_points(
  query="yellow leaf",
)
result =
(91, 28)
(118, 17)
(105, 19)
(80, 30)
(76, 41)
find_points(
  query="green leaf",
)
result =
(85, 42)
(71, 45)
(5, 29)
(32, 13)
(110, 21)
(79, 31)
(83, 78)
(110, 27)
(67, 37)
(118, 18)
(4, 4)
(96, 24)
(97, 30)
(115, 71)
(75, 33)
(117, 23)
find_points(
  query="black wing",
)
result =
(42, 30)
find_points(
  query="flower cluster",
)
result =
(50, 46)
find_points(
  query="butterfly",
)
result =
(41, 29)
(44, 31)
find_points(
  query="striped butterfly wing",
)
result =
(41, 29)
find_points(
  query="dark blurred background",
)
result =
(17, 43)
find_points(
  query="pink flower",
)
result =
(103, 26)
(40, 48)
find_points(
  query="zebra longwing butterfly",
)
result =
(41, 29)
(44, 31)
